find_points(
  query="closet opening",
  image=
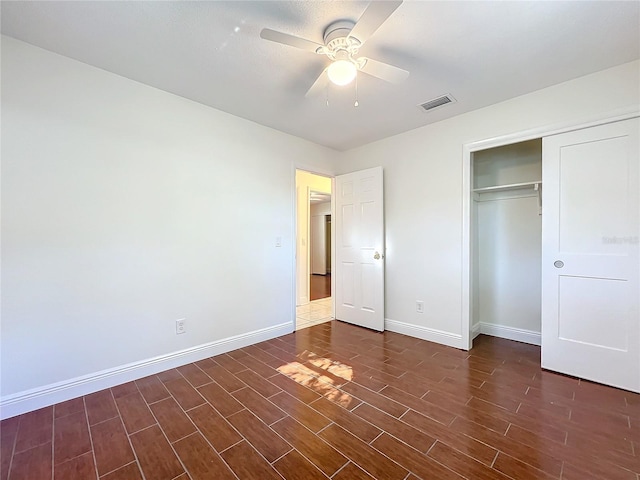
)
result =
(506, 238)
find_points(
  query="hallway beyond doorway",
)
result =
(320, 286)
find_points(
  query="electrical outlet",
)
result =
(419, 306)
(180, 326)
(278, 241)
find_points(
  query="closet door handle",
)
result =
(558, 264)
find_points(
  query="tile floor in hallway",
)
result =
(340, 402)
(314, 313)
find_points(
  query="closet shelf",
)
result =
(513, 186)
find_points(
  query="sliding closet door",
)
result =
(590, 260)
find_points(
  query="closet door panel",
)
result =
(591, 265)
(593, 200)
(605, 307)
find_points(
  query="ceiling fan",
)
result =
(342, 41)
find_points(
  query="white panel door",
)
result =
(590, 260)
(359, 249)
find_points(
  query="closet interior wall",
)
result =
(507, 241)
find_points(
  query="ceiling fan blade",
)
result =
(384, 71)
(318, 85)
(290, 40)
(374, 16)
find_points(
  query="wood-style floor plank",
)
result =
(155, 455)
(111, 445)
(201, 461)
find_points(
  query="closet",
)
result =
(507, 241)
(554, 249)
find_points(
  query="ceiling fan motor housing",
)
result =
(338, 44)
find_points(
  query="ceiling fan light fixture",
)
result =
(342, 72)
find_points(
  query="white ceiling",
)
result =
(481, 52)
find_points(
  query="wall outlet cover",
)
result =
(180, 326)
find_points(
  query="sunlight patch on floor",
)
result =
(322, 378)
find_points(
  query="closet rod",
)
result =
(513, 186)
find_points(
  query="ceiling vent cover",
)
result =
(437, 102)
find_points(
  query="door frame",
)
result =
(315, 170)
(467, 174)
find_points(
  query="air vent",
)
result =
(437, 102)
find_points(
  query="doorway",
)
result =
(507, 241)
(314, 303)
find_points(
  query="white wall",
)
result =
(510, 268)
(323, 208)
(423, 191)
(516, 163)
(125, 208)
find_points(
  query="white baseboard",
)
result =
(26, 401)
(475, 331)
(425, 333)
(511, 333)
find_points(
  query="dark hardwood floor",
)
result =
(341, 402)
(320, 286)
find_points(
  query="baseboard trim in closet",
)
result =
(511, 333)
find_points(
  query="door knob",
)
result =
(558, 264)
(376, 256)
